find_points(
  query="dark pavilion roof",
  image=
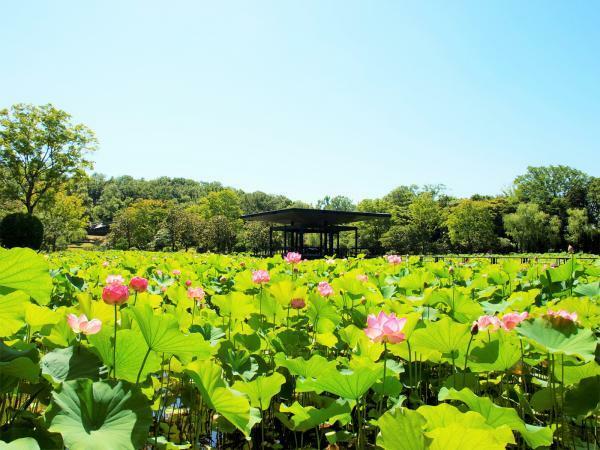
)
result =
(313, 217)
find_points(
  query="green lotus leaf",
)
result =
(444, 336)
(26, 443)
(12, 312)
(21, 363)
(100, 415)
(70, 363)
(233, 405)
(402, 429)
(310, 368)
(443, 419)
(25, 270)
(322, 310)
(235, 304)
(564, 339)
(131, 350)
(305, 418)
(584, 398)
(162, 335)
(498, 354)
(460, 436)
(570, 373)
(462, 308)
(588, 290)
(351, 384)
(497, 416)
(261, 390)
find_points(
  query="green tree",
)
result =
(471, 226)
(253, 202)
(417, 228)
(40, 149)
(553, 188)
(219, 234)
(254, 237)
(337, 203)
(64, 220)
(370, 232)
(220, 203)
(532, 229)
(579, 231)
(592, 201)
(137, 225)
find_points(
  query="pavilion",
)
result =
(296, 223)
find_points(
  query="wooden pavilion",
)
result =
(296, 223)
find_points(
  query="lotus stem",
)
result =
(115, 346)
(137, 380)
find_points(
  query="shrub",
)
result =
(21, 230)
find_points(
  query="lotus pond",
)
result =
(132, 350)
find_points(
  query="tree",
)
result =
(592, 200)
(370, 232)
(40, 149)
(219, 234)
(471, 226)
(254, 237)
(137, 225)
(221, 203)
(64, 220)
(417, 228)
(337, 203)
(253, 202)
(579, 231)
(553, 188)
(532, 229)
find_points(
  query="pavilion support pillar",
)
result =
(356, 242)
(271, 241)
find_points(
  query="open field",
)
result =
(184, 350)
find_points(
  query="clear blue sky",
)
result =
(308, 98)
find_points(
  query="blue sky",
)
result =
(309, 98)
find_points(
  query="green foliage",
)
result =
(531, 228)
(21, 230)
(40, 149)
(471, 226)
(99, 415)
(240, 364)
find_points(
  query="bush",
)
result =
(21, 230)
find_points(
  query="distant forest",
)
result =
(546, 209)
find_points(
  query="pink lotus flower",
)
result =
(105, 264)
(325, 289)
(260, 276)
(292, 258)
(159, 273)
(188, 283)
(114, 279)
(115, 294)
(511, 320)
(362, 278)
(297, 303)
(491, 323)
(394, 259)
(384, 328)
(138, 284)
(561, 316)
(196, 293)
(81, 324)
(330, 262)
(176, 272)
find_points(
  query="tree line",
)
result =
(44, 171)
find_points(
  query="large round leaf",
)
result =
(24, 270)
(100, 416)
(564, 339)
